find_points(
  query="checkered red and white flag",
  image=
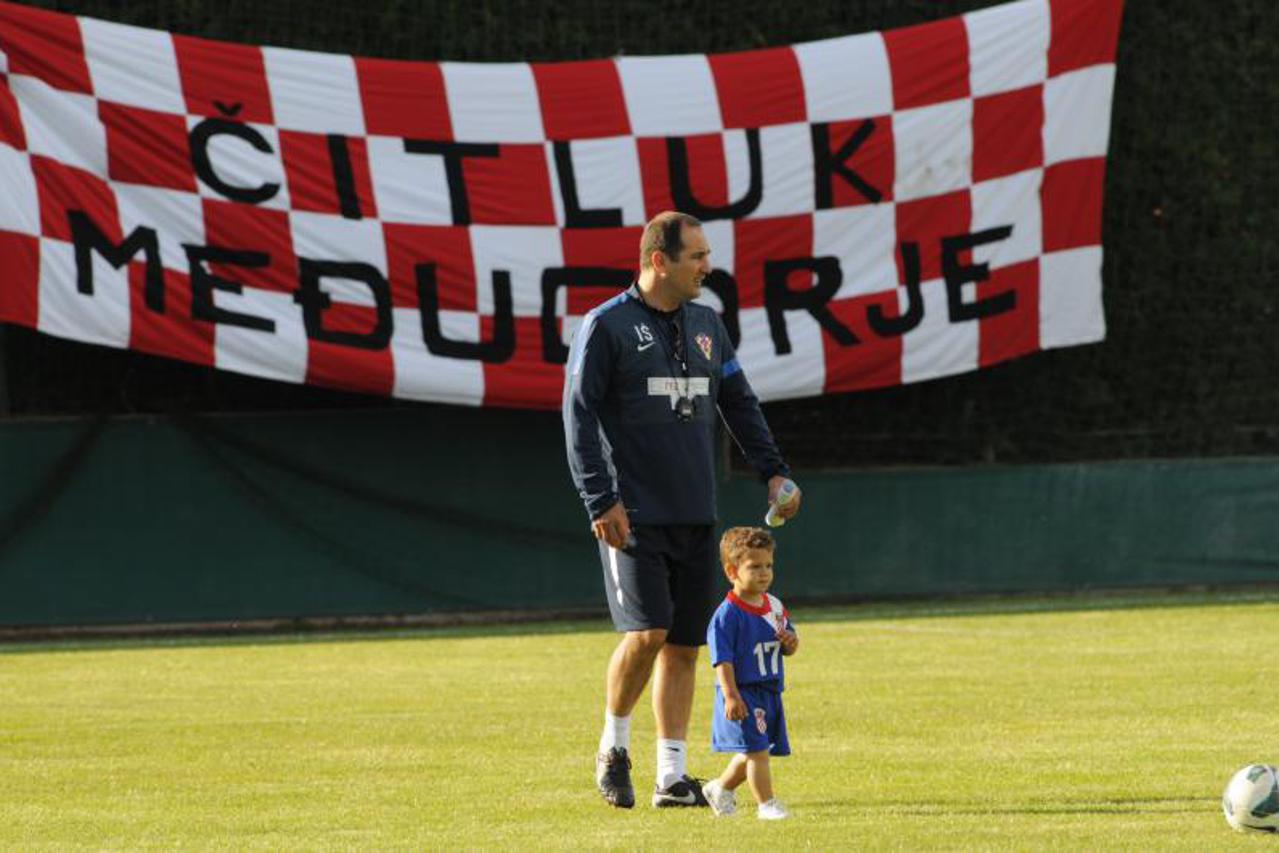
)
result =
(882, 208)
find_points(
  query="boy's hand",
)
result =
(734, 707)
(789, 640)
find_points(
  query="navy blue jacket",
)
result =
(623, 433)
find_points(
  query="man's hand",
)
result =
(787, 512)
(734, 707)
(789, 640)
(613, 527)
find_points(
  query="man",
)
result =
(646, 373)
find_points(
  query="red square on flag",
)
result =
(349, 368)
(11, 132)
(244, 228)
(925, 223)
(758, 241)
(65, 189)
(513, 188)
(172, 334)
(581, 100)
(1008, 133)
(447, 247)
(44, 45)
(874, 362)
(929, 63)
(346, 367)
(706, 177)
(608, 248)
(758, 88)
(526, 381)
(405, 99)
(1072, 194)
(147, 147)
(223, 79)
(1084, 32)
(873, 161)
(314, 165)
(1014, 332)
(20, 293)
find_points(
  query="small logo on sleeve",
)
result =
(704, 344)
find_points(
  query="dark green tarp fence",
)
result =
(223, 519)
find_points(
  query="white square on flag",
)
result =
(328, 237)
(279, 354)
(493, 102)
(721, 236)
(937, 347)
(1070, 306)
(314, 92)
(20, 211)
(422, 375)
(524, 252)
(799, 373)
(1008, 46)
(177, 218)
(933, 146)
(62, 126)
(670, 95)
(607, 173)
(133, 66)
(1077, 114)
(846, 78)
(1015, 201)
(863, 239)
(101, 317)
(410, 188)
(787, 160)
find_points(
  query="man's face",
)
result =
(684, 275)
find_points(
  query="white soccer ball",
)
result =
(1251, 800)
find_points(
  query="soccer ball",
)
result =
(1251, 800)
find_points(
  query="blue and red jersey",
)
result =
(745, 635)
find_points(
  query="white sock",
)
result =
(617, 732)
(672, 761)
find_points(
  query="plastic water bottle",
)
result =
(785, 495)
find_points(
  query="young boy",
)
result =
(748, 636)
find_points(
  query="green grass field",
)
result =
(1066, 724)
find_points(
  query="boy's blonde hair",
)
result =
(736, 541)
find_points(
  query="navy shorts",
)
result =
(763, 729)
(664, 579)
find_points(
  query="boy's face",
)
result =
(753, 575)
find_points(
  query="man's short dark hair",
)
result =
(663, 234)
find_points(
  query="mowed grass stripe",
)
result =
(1054, 727)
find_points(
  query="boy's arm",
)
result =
(734, 707)
(789, 640)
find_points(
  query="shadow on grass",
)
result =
(1120, 805)
(38, 639)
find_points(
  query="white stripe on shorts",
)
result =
(617, 578)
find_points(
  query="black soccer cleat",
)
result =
(687, 792)
(613, 776)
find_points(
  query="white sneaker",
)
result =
(772, 810)
(723, 802)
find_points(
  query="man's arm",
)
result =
(586, 382)
(739, 407)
